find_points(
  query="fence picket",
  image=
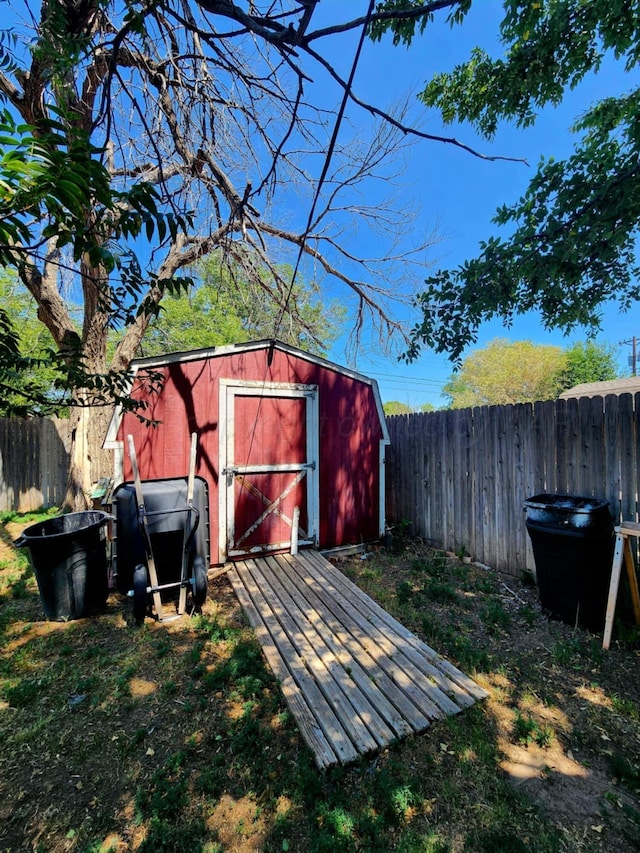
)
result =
(504, 481)
(427, 474)
(562, 486)
(597, 447)
(626, 445)
(462, 494)
(524, 480)
(546, 447)
(636, 424)
(612, 458)
(437, 490)
(478, 456)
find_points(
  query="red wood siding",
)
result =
(349, 431)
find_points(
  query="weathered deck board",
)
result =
(353, 677)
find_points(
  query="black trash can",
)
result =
(69, 558)
(572, 539)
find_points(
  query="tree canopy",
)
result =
(571, 239)
(507, 372)
(587, 362)
(224, 309)
(395, 407)
(29, 381)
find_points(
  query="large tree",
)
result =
(570, 241)
(157, 133)
(506, 372)
(588, 361)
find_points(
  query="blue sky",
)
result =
(460, 192)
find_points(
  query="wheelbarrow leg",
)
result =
(184, 576)
(153, 576)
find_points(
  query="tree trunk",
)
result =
(88, 462)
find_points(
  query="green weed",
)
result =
(166, 795)
(418, 842)
(401, 533)
(212, 780)
(529, 614)
(440, 591)
(214, 630)
(402, 799)
(22, 587)
(169, 688)
(627, 635)
(101, 847)
(339, 822)
(171, 836)
(500, 841)
(162, 647)
(452, 642)
(495, 617)
(579, 646)
(371, 573)
(404, 592)
(26, 517)
(24, 693)
(33, 732)
(526, 731)
(123, 679)
(625, 707)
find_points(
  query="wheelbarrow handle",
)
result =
(144, 531)
(194, 527)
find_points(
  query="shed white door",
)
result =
(269, 440)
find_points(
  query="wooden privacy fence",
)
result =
(461, 477)
(34, 463)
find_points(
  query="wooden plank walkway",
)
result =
(353, 677)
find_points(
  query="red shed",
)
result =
(277, 429)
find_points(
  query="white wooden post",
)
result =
(295, 526)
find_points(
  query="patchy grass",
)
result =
(175, 736)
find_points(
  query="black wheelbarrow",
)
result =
(161, 539)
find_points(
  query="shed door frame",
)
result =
(229, 390)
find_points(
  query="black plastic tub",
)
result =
(572, 539)
(69, 558)
(166, 510)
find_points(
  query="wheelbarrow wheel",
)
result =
(199, 582)
(139, 593)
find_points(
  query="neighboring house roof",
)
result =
(630, 385)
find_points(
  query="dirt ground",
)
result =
(109, 732)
